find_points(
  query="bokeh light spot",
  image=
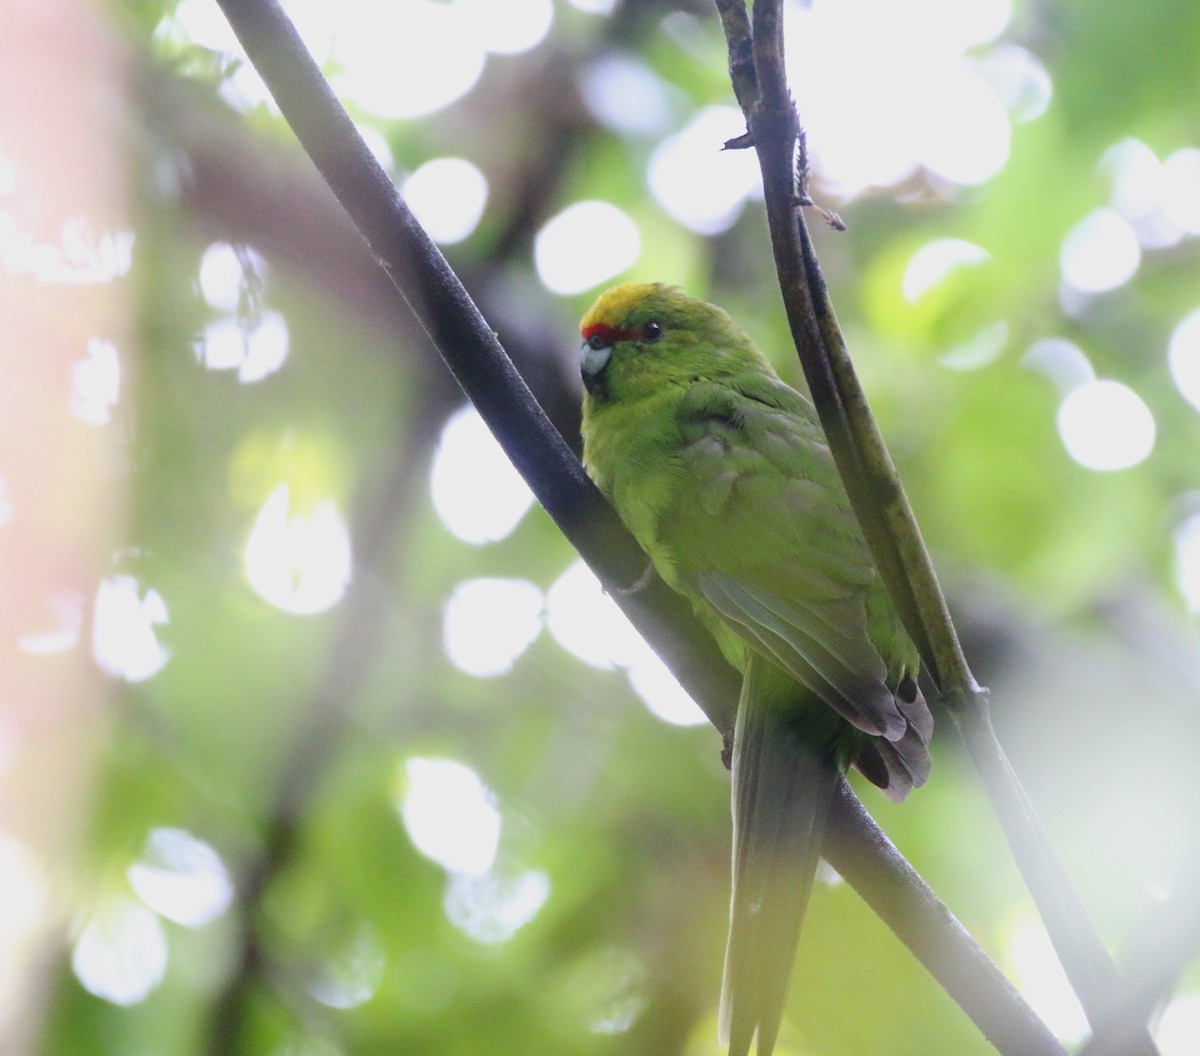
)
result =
(123, 639)
(934, 262)
(300, 563)
(121, 954)
(1181, 189)
(696, 182)
(964, 132)
(1187, 561)
(491, 908)
(1041, 979)
(1179, 1026)
(255, 349)
(449, 815)
(1020, 80)
(181, 878)
(489, 623)
(1100, 253)
(1183, 357)
(624, 94)
(352, 976)
(447, 196)
(586, 244)
(588, 624)
(511, 27)
(407, 58)
(477, 492)
(934, 106)
(1105, 425)
(96, 383)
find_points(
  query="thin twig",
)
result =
(471, 350)
(878, 497)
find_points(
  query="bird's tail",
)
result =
(783, 783)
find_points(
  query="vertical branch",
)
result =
(880, 503)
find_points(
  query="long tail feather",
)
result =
(783, 782)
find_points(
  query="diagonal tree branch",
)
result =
(471, 350)
(876, 493)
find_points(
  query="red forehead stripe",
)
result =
(611, 334)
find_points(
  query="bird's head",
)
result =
(640, 336)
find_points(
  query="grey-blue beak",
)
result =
(594, 362)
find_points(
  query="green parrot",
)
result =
(722, 473)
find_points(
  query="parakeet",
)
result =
(722, 473)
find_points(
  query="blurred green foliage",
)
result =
(280, 739)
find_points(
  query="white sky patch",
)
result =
(661, 692)
(489, 623)
(1181, 189)
(65, 611)
(586, 244)
(123, 621)
(407, 58)
(181, 878)
(1183, 357)
(317, 22)
(492, 908)
(121, 954)
(96, 383)
(1179, 1026)
(697, 183)
(298, 562)
(450, 815)
(624, 94)
(6, 504)
(588, 624)
(932, 106)
(1041, 979)
(204, 25)
(1105, 425)
(964, 131)
(1100, 253)
(935, 261)
(511, 27)
(594, 7)
(447, 196)
(477, 493)
(1187, 561)
(255, 349)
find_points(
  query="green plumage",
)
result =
(722, 473)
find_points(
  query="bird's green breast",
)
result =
(631, 450)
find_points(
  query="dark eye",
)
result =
(652, 331)
(598, 341)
